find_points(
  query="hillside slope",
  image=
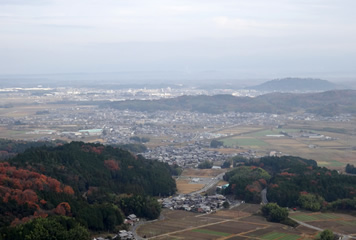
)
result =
(296, 85)
(84, 166)
(325, 103)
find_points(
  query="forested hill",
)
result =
(92, 184)
(325, 103)
(84, 166)
(296, 84)
(291, 182)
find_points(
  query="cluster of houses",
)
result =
(190, 155)
(123, 234)
(131, 219)
(194, 203)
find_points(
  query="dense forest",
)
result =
(350, 168)
(86, 166)
(10, 148)
(328, 103)
(293, 182)
(95, 185)
(247, 182)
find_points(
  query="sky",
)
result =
(235, 38)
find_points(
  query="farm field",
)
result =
(191, 172)
(235, 224)
(334, 153)
(239, 141)
(184, 186)
(340, 223)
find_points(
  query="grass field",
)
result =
(331, 164)
(211, 232)
(190, 172)
(271, 132)
(279, 236)
(335, 153)
(349, 223)
(314, 217)
(230, 142)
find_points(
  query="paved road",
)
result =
(207, 186)
(264, 196)
(211, 183)
(134, 229)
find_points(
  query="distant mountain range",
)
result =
(327, 103)
(296, 85)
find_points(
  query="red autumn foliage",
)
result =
(263, 181)
(255, 187)
(68, 190)
(63, 209)
(54, 185)
(112, 165)
(273, 185)
(21, 184)
(303, 193)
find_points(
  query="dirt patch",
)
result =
(202, 172)
(184, 186)
(190, 235)
(233, 227)
(228, 214)
(340, 226)
(177, 221)
(248, 208)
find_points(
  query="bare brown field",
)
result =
(189, 235)
(22, 111)
(344, 227)
(228, 214)
(233, 227)
(180, 222)
(329, 144)
(337, 222)
(190, 172)
(224, 224)
(247, 207)
(184, 187)
(239, 130)
(159, 141)
(329, 157)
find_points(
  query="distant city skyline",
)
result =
(226, 39)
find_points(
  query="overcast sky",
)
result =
(255, 38)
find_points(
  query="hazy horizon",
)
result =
(197, 39)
